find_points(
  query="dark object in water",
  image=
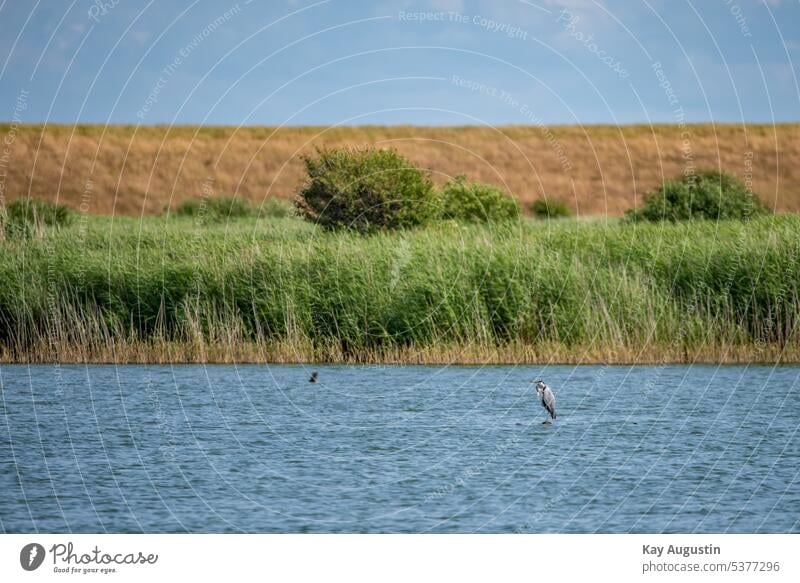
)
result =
(313, 378)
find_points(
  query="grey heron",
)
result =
(548, 399)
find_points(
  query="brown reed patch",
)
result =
(131, 351)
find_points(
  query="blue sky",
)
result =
(439, 62)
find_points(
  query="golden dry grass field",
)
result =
(597, 170)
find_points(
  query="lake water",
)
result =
(398, 449)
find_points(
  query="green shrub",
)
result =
(365, 190)
(214, 209)
(476, 202)
(708, 195)
(25, 216)
(550, 209)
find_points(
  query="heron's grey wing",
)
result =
(549, 402)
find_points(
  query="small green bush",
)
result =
(365, 190)
(24, 217)
(214, 209)
(708, 195)
(476, 202)
(550, 209)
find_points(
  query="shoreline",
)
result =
(162, 353)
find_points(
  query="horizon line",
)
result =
(400, 125)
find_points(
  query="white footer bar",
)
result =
(403, 558)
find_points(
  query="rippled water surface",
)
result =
(398, 449)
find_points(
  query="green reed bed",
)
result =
(167, 289)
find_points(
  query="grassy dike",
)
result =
(279, 290)
(595, 170)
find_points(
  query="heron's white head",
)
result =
(540, 386)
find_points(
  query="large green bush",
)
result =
(476, 202)
(26, 216)
(365, 190)
(709, 195)
(547, 208)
